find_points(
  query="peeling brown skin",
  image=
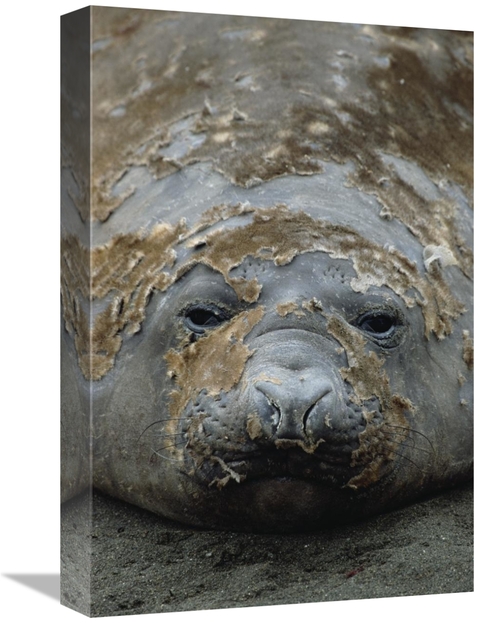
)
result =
(366, 375)
(305, 357)
(374, 84)
(468, 349)
(131, 267)
(231, 429)
(126, 271)
(214, 363)
(286, 308)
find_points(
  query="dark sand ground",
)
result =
(142, 563)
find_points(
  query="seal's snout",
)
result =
(295, 397)
(293, 402)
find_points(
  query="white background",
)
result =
(29, 372)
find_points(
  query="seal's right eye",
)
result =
(379, 325)
(199, 317)
(383, 325)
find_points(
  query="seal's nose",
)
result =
(293, 401)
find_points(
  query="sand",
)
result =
(142, 563)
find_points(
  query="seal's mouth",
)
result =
(289, 464)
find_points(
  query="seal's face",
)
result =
(267, 392)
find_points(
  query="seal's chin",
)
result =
(284, 491)
(285, 502)
(279, 504)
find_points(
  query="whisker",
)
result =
(408, 442)
(415, 447)
(395, 434)
(150, 425)
(402, 456)
(165, 458)
(410, 430)
(171, 445)
(161, 435)
(178, 419)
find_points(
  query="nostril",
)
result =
(293, 401)
(314, 404)
(308, 415)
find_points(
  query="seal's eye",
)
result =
(385, 327)
(198, 318)
(381, 325)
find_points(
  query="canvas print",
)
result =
(267, 306)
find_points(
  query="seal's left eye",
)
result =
(198, 318)
(385, 327)
(381, 325)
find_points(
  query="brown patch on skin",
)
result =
(231, 474)
(365, 373)
(313, 306)
(468, 354)
(131, 266)
(432, 222)
(279, 235)
(75, 270)
(75, 286)
(246, 290)
(283, 309)
(265, 377)
(254, 426)
(307, 445)
(212, 216)
(126, 270)
(213, 363)
(400, 92)
(320, 105)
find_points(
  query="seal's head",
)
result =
(290, 370)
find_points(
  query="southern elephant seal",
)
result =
(272, 327)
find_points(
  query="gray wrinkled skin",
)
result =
(325, 395)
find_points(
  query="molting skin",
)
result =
(274, 323)
(287, 369)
